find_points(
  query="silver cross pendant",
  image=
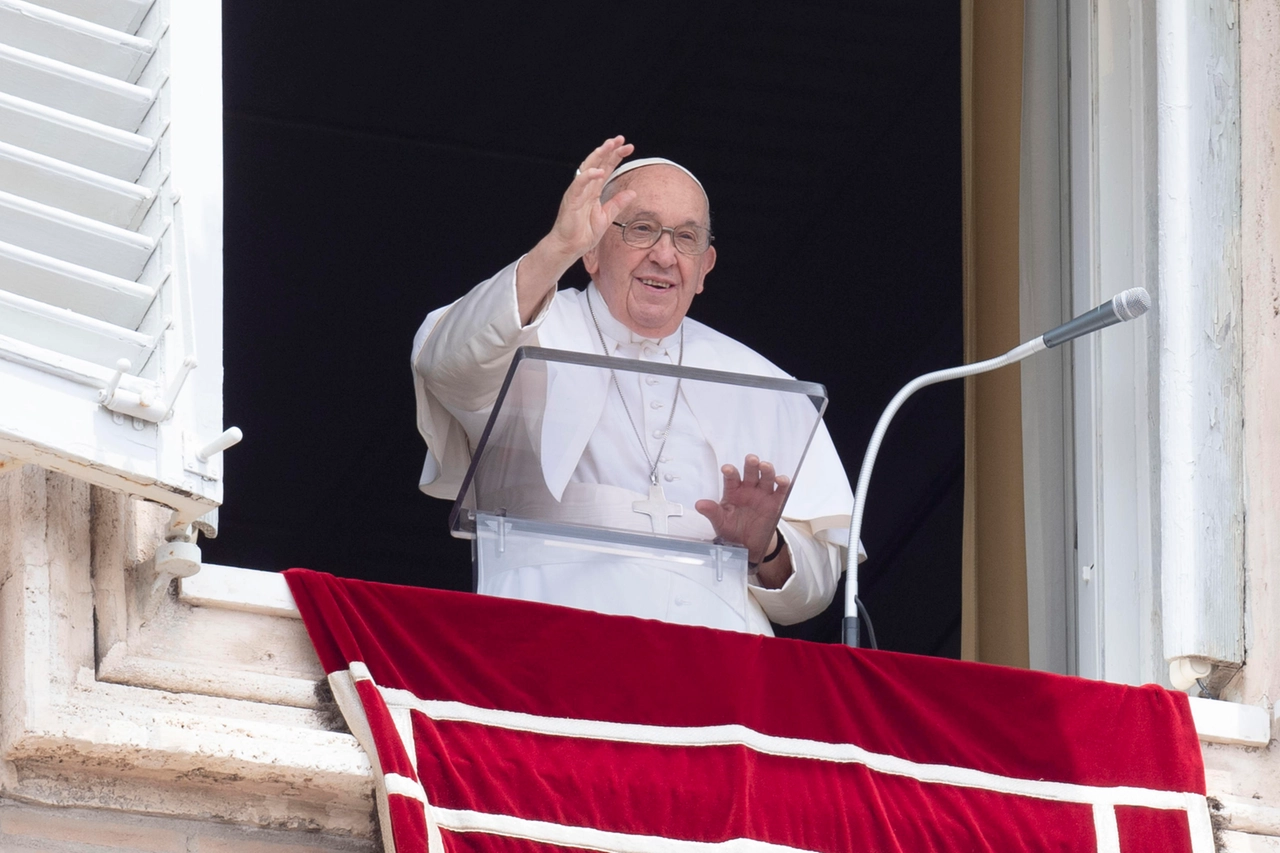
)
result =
(658, 508)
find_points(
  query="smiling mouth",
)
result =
(656, 285)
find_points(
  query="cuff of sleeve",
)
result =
(815, 572)
(541, 313)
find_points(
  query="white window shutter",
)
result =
(111, 243)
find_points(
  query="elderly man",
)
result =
(642, 231)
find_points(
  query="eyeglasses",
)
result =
(644, 233)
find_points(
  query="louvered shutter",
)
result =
(111, 243)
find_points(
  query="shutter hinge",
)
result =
(143, 405)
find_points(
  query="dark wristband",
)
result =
(772, 555)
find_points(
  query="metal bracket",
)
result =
(179, 555)
(143, 406)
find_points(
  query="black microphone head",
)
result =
(1134, 302)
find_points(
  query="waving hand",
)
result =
(580, 223)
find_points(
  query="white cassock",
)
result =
(461, 355)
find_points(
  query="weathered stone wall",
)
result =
(1248, 780)
(26, 828)
(115, 695)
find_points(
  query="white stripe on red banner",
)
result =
(1107, 828)
(588, 838)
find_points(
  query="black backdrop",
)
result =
(380, 161)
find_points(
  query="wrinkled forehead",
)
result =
(663, 177)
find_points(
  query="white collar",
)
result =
(619, 332)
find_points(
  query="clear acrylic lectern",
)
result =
(559, 502)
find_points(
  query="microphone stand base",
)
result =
(851, 631)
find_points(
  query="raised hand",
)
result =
(580, 224)
(747, 514)
(582, 219)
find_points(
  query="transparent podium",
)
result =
(564, 504)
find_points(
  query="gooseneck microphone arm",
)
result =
(873, 447)
(1125, 306)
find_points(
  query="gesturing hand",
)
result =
(582, 219)
(748, 512)
(579, 225)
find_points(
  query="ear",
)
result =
(708, 264)
(591, 260)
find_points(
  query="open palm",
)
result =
(748, 511)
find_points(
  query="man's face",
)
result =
(650, 290)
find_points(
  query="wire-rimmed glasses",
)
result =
(644, 233)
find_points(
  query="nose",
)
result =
(664, 251)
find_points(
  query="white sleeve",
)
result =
(816, 566)
(460, 357)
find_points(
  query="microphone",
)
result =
(1131, 304)
(1125, 306)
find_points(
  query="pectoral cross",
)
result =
(658, 508)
